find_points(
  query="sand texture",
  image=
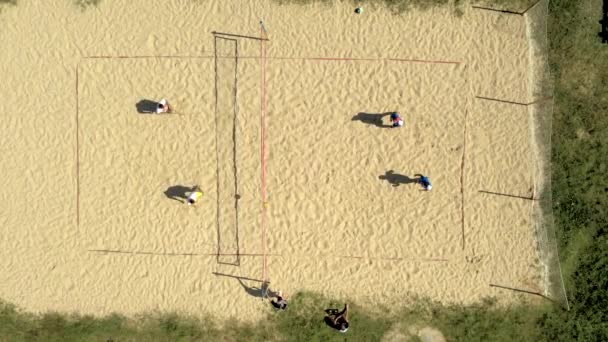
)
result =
(299, 188)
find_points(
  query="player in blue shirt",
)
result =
(425, 182)
(396, 119)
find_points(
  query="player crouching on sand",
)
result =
(163, 107)
(194, 195)
(396, 119)
(425, 182)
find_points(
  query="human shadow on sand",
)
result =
(146, 106)
(179, 192)
(372, 119)
(396, 179)
(262, 291)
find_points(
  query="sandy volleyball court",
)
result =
(300, 189)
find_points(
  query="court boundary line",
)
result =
(463, 160)
(118, 251)
(77, 151)
(339, 59)
(462, 166)
(391, 258)
(321, 256)
(263, 59)
(151, 56)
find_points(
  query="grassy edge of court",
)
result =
(303, 321)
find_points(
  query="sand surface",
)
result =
(325, 203)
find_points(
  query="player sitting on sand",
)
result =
(396, 119)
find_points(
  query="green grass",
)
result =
(580, 136)
(303, 321)
(579, 64)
